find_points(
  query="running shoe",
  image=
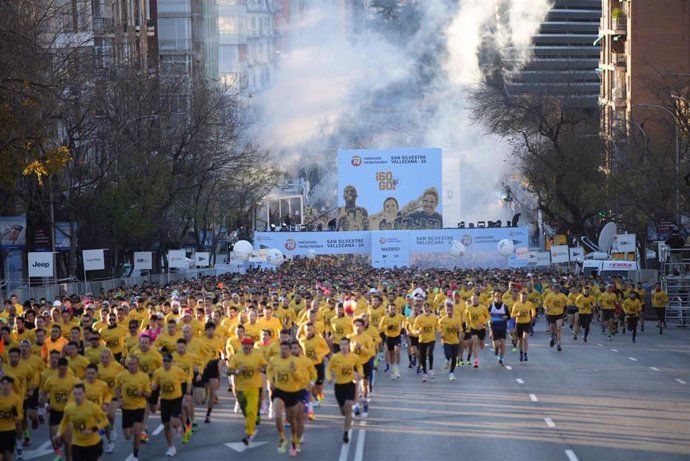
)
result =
(170, 452)
(26, 442)
(522, 356)
(424, 378)
(500, 362)
(346, 437)
(365, 409)
(19, 454)
(387, 369)
(207, 419)
(514, 349)
(282, 446)
(525, 357)
(144, 436)
(451, 377)
(552, 342)
(432, 375)
(293, 450)
(559, 349)
(109, 447)
(476, 364)
(311, 416)
(357, 410)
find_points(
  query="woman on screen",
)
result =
(427, 217)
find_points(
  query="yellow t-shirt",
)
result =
(149, 361)
(78, 365)
(392, 326)
(555, 303)
(86, 416)
(170, 382)
(344, 367)
(11, 411)
(608, 300)
(315, 348)
(250, 376)
(450, 328)
(363, 346)
(477, 316)
(98, 392)
(114, 338)
(93, 354)
(109, 374)
(632, 307)
(130, 384)
(425, 325)
(341, 327)
(284, 374)
(188, 363)
(659, 299)
(523, 312)
(585, 303)
(59, 390)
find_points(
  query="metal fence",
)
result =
(51, 292)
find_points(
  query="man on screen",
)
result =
(352, 217)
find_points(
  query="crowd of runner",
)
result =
(70, 364)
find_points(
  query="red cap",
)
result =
(187, 312)
(349, 310)
(247, 342)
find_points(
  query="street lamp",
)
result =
(677, 136)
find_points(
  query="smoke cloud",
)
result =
(346, 80)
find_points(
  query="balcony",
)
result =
(619, 60)
(620, 25)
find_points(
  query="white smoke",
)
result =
(328, 78)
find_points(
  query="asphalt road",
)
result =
(600, 400)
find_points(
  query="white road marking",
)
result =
(345, 449)
(633, 359)
(600, 345)
(519, 381)
(44, 449)
(158, 430)
(680, 381)
(571, 455)
(614, 350)
(533, 398)
(508, 367)
(359, 449)
(654, 368)
(239, 447)
(549, 422)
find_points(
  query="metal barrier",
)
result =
(677, 313)
(51, 292)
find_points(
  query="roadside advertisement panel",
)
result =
(323, 243)
(389, 189)
(390, 249)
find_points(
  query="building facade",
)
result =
(563, 60)
(644, 44)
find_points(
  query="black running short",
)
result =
(345, 392)
(54, 417)
(8, 441)
(481, 334)
(320, 373)
(171, 409)
(392, 342)
(129, 417)
(211, 371)
(90, 453)
(522, 328)
(290, 399)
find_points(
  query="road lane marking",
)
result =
(345, 450)
(508, 367)
(549, 422)
(614, 350)
(654, 368)
(359, 449)
(158, 430)
(519, 381)
(533, 398)
(633, 359)
(571, 455)
(600, 345)
(680, 381)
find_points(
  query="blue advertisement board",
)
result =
(389, 189)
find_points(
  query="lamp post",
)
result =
(677, 136)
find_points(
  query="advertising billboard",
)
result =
(12, 232)
(323, 243)
(63, 235)
(390, 249)
(390, 189)
(41, 264)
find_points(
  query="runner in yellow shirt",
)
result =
(586, 303)
(132, 388)
(247, 367)
(450, 327)
(523, 312)
(56, 390)
(632, 308)
(659, 303)
(391, 325)
(315, 349)
(11, 415)
(477, 317)
(175, 385)
(82, 419)
(426, 325)
(364, 346)
(284, 379)
(345, 369)
(555, 304)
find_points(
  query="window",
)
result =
(174, 6)
(228, 25)
(228, 53)
(175, 34)
(176, 64)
